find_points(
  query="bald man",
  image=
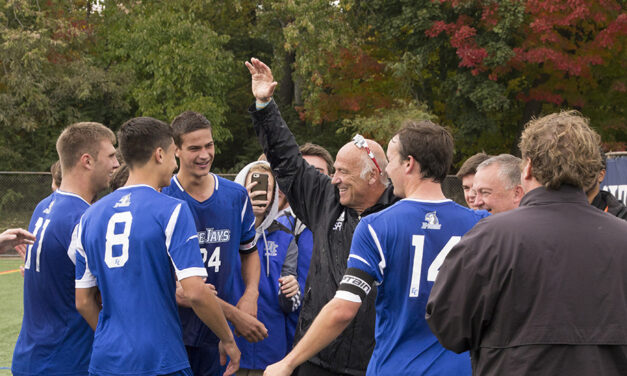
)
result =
(331, 208)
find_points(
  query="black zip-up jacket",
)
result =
(608, 203)
(316, 202)
(538, 290)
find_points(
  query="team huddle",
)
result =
(372, 271)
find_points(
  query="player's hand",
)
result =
(229, 349)
(21, 250)
(263, 83)
(278, 369)
(289, 285)
(181, 298)
(249, 327)
(14, 237)
(212, 288)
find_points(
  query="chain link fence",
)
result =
(20, 192)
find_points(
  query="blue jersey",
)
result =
(277, 254)
(55, 339)
(401, 249)
(132, 242)
(226, 227)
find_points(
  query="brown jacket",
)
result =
(540, 290)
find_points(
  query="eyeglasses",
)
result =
(361, 143)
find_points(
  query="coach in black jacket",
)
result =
(331, 208)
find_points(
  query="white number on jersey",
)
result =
(418, 241)
(118, 239)
(214, 260)
(40, 240)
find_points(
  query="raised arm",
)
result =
(306, 189)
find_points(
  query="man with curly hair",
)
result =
(542, 289)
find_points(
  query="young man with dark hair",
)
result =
(318, 157)
(225, 224)
(129, 245)
(54, 339)
(541, 290)
(466, 175)
(400, 250)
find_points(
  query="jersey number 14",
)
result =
(418, 241)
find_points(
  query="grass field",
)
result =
(11, 309)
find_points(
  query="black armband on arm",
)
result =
(248, 247)
(355, 285)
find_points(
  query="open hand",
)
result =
(263, 83)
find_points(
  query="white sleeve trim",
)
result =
(359, 258)
(169, 229)
(244, 208)
(376, 242)
(85, 283)
(74, 244)
(345, 295)
(191, 272)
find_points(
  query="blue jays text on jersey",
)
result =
(225, 225)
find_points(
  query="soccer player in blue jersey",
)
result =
(54, 339)
(131, 246)
(225, 225)
(399, 249)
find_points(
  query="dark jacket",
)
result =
(608, 203)
(316, 202)
(539, 290)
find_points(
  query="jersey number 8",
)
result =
(113, 239)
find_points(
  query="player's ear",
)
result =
(527, 172)
(373, 176)
(409, 164)
(519, 192)
(86, 161)
(159, 155)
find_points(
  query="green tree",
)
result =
(49, 80)
(178, 62)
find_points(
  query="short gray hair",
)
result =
(508, 168)
(367, 165)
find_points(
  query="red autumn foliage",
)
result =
(558, 40)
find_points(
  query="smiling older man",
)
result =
(331, 208)
(497, 184)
